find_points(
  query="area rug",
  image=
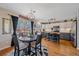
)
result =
(44, 53)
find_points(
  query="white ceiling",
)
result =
(44, 10)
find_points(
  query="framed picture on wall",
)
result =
(6, 26)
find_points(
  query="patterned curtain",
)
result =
(15, 22)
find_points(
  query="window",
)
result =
(6, 26)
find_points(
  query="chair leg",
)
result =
(15, 52)
(18, 52)
(35, 51)
(40, 51)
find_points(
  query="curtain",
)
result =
(15, 22)
(32, 26)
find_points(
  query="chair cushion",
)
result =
(22, 45)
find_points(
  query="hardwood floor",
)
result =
(64, 48)
(5, 51)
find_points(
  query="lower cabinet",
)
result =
(66, 36)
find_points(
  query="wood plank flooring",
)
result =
(5, 51)
(64, 48)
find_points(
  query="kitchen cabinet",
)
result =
(66, 36)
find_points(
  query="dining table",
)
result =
(29, 40)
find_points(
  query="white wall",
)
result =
(5, 39)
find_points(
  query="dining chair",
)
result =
(18, 46)
(49, 37)
(37, 47)
(56, 37)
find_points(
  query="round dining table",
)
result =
(29, 40)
